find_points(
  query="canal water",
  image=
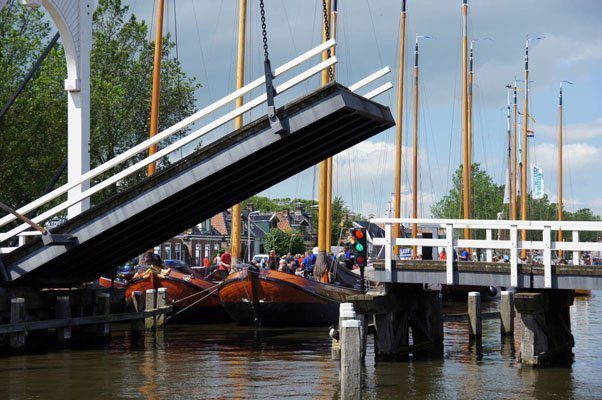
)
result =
(231, 362)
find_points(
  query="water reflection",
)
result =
(226, 361)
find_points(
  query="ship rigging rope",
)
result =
(195, 294)
(193, 304)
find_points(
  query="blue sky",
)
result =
(368, 37)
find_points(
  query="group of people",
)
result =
(289, 263)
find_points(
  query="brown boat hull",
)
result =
(194, 300)
(272, 298)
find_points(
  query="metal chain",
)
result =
(264, 31)
(327, 35)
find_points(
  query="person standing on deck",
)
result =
(273, 260)
(225, 262)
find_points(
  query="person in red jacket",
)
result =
(226, 261)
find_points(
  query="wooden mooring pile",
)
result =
(406, 310)
(29, 318)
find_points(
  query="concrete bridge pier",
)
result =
(396, 310)
(546, 337)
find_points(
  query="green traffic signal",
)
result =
(359, 247)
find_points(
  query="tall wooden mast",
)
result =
(323, 170)
(399, 147)
(514, 155)
(466, 168)
(415, 150)
(238, 122)
(523, 178)
(155, 99)
(332, 24)
(469, 141)
(560, 161)
(510, 170)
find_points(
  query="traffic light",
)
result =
(360, 247)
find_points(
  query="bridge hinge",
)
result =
(59, 239)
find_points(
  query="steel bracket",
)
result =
(275, 123)
(59, 239)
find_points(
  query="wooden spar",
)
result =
(415, 151)
(514, 156)
(332, 23)
(510, 171)
(469, 142)
(154, 117)
(399, 147)
(323, 170)
(560, 168)
(523, 172)
(560, 164)
(466, 170)
(238, 122)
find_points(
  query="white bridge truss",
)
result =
(52, 206)
(447, 232)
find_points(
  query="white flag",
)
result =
(536, 182)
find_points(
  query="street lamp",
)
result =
(249, 234)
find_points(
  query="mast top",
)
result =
(403, 6)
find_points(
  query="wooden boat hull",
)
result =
(194, 300)
(273, 298)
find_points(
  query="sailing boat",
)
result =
(268, 297)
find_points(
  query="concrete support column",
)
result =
(351, 375)
(507, 313)
(475, 320)
(150, 303)
(546, 335)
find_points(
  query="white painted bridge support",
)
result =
(74, 22)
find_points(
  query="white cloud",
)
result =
(576, 156)
(573, 132)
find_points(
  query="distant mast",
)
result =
(525, 165)
(560, 161)
(399, 147)
(415, 146)
(510, 182)
(466, 168)
(514, 154)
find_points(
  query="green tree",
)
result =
(33, 134)
(284, 242)
(487, 197)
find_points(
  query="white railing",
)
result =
(451, 230)
(167, 133)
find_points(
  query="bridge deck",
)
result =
(488, 273)
(245, 162)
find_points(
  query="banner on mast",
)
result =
(536, 182)
(507, 189)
